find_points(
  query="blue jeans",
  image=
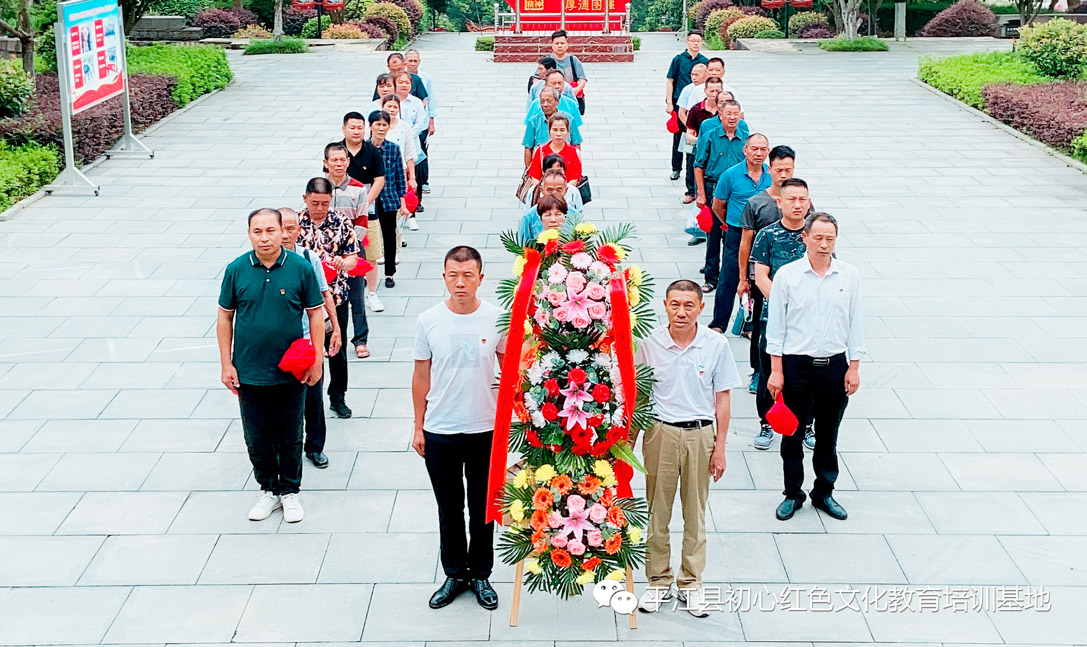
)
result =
(355, 287)
(728, 278)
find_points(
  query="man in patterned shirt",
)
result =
(390, 203)
(332, 236)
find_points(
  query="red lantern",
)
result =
(334, 6)
(302, 5)
(773, 4)
(802, 4)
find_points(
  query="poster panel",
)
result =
(93, 64)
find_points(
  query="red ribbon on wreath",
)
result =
(508, 385)
(623, 333)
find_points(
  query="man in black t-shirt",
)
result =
(365, 164)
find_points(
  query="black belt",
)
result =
(689, 424)
(819, 361)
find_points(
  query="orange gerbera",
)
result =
(520, 411)
(538, 536)
(612, 545)
(608, 498)
(617, 517)
(542, 499)
(562, 483)
(539, 548)
(560, 558)
(591, 563)
(589, 485)
(538, 521)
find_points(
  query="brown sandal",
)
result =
(361, 351)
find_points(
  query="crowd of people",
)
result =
(314, 273)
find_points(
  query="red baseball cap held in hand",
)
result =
(411, 200)
(361, 268)
(781, 419)
(299, 357)
(330, 271)
(673, 124)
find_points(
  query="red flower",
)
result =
(612, 545)
(599, 449)
(606, 253)
(601, 393)
(596, 421)
(520, 411)
(591, 563)
(617, 517)
(552, 387)
(580, 450)
(576, 376)
(561, 558)
(550, 247)
(581, 436)
(555, 448)
(542, 499)
(608, 498)
(574, 246)
(549, 411)
(615, 434)
(533, 439)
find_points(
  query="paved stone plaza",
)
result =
(124, 485)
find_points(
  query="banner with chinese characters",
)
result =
(93, 38)
(581, 15)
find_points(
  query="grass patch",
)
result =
(862, 44)
(964, 77)
(285, 46)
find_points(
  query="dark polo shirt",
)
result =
(366, 166)
(268, 303)
(680, 71)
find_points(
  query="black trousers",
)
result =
(315, 416)
(451, 461)
(712, 268)
(756, 327)
(387, 221)
(818, 390)
(355, 293)
(422, 170)
(677, 157)
(688, 179)
(581, 105)
(337, 364)
(728, 278)
(763, 401)
(272, 426)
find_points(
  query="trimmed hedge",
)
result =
(285, 46)
(964, 18)
(393, 13)
(801, 21)
(816, 32)
(1057, 47)
(96, 129)
(718, 17)
(345, 31)
(392, 32)
(199, 69)
(187, 8)
(485, 44)
(252, 31)
(862, 44)
(218, 23)
(24, 169)
(294, 20)
(413, 9)
(964, 77)
(770, 33)
(1052, 113)
(749, 26)
(309, 30)
(701, 11)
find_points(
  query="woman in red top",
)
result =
(558, 126)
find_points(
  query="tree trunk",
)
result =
(277, 23)
(27, 37)
(239, 4)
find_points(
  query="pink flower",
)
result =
(595, 537)
(559, 541)
(598, 514)
(554, 298)
(596, 292)
(575, 281)
(561, 313)
(556, 274)
(542, 318)
(596, 311)
(555, 519)
(597, 267)
(575, 547)
(581, 260)
(581, 320)
(575, 503)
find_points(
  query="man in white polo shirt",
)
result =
(694, 372)
(457, 343)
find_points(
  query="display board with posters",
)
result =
(94, 61)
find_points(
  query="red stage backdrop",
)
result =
(581, 15)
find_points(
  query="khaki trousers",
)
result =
(676, 457)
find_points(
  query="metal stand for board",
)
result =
(518, 580)
(70, 180)
(128, 145)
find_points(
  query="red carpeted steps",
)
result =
(524, 48)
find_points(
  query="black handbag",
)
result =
(585, 190)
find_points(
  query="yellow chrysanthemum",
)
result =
(602, 468)
(635, 534)
(520, 479)
(610, 481)
(633, 320)
(518, 265)
(517, 510)
(636, 276)
(617, 575)
(547, 235)
(620, 252)
(585, 578)
(544, 474)
(533, 566)
(586, 228)
(633, 294)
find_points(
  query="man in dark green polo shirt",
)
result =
(261, 302)
(679, 77)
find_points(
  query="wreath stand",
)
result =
(518, 580)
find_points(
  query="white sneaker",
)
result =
(694, 602)
(380, 261)
(653, 598)
(373, 302)
(292, 508)
(265, 506)
(413, 224)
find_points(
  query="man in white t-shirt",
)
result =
(457, 343)
(694, 372)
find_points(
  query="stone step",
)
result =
(500, 57)
(160, 23)
(184, 34)
(600, 48)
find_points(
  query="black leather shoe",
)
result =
(339, 407)
(318, 459)
(448, 592)
(828, 505)
(788, 508)
(674, 176)
(419, 209)
(485, 595)
(389, 282)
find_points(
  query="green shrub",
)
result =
(485, 44)
(719, 16)
(770, 33)
(862, 44)
(187, 8)
(1079, 148)
(797, 22)
(344, 31)
(24, 169)
(309, 30)
(1057, 47)
(285, 46)
(252, 31)
(393, 13)
(964, 77)
(45, 52)
(637, 42)
(749, 26)
(16, 87)
(199, 69)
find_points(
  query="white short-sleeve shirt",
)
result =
(688, 379)
(462, 350)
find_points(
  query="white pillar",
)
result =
(900, 20)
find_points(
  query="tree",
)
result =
(24, 32)
(132, 11)
(1028, 10)
(846, 17)
(277, 22)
